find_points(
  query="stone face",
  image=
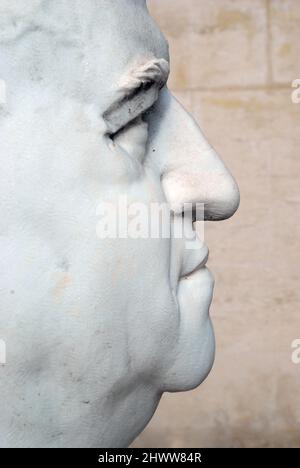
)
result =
(252, 395)
(215, 43)
(285, 19)
(251, 398)
(98, 320)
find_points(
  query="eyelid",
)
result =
(130, 107)
(128, 126)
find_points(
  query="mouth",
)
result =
(196, 338)
(194, 260)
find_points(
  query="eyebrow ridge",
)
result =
(154, 71)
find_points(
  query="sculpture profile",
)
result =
(96, 329)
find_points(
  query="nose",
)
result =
(192, 171)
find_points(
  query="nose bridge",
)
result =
(193, 172)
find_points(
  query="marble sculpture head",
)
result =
(96, 329)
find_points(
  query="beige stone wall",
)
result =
(233, 62)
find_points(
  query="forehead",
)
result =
(123, 36)
(129, 26)
(88, 45)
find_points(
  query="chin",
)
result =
(193, 368)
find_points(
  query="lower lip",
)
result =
(203, 272)
(206, 274)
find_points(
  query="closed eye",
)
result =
(137, 121)
(127, 110)
(133, 138)
(139, 90)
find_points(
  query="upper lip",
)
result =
(194, 259)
